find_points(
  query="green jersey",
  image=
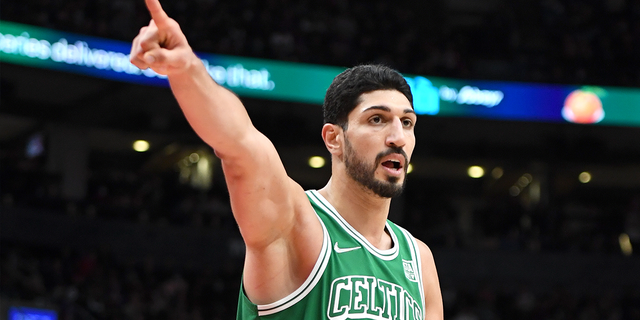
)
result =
(351, 279)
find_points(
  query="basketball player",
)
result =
(320, 254)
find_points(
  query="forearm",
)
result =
(215, 113)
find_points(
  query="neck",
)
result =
(361, 208)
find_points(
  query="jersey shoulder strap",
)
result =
(414, 252)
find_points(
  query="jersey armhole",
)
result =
(415, 255)
(309, 283)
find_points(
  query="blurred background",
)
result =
(526, 219)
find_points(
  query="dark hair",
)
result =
(344, 92)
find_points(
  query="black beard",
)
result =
(364, 174)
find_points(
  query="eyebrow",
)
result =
(387, 109)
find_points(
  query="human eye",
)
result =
(375, 119)
(407, 123)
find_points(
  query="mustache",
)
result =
(392, 150)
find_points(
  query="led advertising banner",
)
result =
(26, 313)
(104, 58)
(268, 79)
(526, 101)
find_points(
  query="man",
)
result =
(325, 254)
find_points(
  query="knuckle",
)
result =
(139, 64)
(137, 61)
(159, 58)
(147, 45)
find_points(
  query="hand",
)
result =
(161, 45)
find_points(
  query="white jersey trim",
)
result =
(309, 283)
(386, 255)
(415, 255)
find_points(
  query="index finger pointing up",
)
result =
(157, 14)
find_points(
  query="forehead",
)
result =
(392, 99)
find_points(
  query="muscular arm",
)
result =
(432, 294)
(271, 209)
(263, 197)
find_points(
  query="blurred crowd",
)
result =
(440, 218)
(556, 41)
(505, 223)
(115, 194)
(92, 286)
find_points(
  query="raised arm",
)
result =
(270, 208)
(215, 113)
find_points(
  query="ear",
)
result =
(333, 137)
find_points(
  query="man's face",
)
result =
(379, 141)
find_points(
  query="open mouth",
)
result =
(392, 164)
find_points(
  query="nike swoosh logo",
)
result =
(343, 250)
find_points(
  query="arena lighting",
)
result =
(194, 157)
(409, 168)
(625, 244)
(316, 162)
(524, 180)
(497, 173)
(584, 177)
(141, 145)
(475, 172)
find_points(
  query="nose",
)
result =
(396, 136)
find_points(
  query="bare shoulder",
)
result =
(432, 293)
(425, 251)
(429, 271)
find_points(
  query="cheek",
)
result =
(363, 142)
(412, 146)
